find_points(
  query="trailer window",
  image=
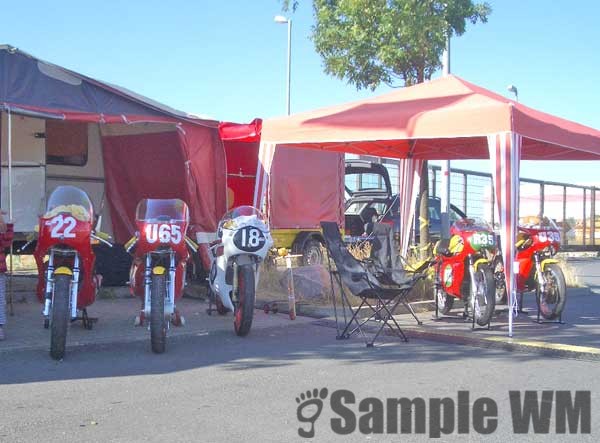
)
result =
(66, 143)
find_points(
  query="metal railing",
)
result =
(571, 206)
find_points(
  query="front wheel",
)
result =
(244, 307)
(158, 322)
(483, 295)
(551, 301)
(59, 321)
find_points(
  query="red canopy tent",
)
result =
(447, 118)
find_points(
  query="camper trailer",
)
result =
(60, 127)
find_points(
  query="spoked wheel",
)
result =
(484, 295)
(59, 317)
(551, 301)
(444, 301)
(244, 307)
(500, 281)
(158, 322)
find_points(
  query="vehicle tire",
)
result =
(444, 301)
(244, 308)
(484, 295)
(158, 322)
(500, 281)
(60, 316)
(552, 301)
(221, 309)
(312, 254)
(113, 264)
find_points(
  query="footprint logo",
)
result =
(310, 406)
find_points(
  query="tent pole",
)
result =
(10, 212)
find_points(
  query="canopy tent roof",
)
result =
(31, 85)
(446, 118)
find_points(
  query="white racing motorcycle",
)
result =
(244, 241)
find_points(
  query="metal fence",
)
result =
(572, 207)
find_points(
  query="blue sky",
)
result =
(227, 59)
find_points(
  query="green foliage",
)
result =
(396, 42)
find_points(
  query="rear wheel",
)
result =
(500, 281)
(484, 295)
(158, 322)
(444, 301)
(59, 321)
(551, 301)
(244, 309)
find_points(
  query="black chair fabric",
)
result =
(371, 284)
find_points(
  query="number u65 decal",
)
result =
(249, 239)
(62, 226)
(163, 233)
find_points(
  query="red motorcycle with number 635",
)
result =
(65, 261)
(463, 270)
(160, 250)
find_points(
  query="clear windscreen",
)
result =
(69, 200)
(162, 210)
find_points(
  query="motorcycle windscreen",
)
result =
(305, 187)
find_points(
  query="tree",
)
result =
(394, 42)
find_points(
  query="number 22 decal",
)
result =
(63, 226)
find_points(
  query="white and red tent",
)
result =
(444, 119)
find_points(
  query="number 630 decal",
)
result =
(164, 233)
(63, 226)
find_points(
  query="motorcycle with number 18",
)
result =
(244, 241)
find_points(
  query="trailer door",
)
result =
(28, 169)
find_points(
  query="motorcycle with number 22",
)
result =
(244, 241)
(65, 260)
(160, 250)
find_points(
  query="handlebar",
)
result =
(101, 237)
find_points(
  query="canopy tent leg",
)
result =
(505, 153)
(9, 298)
(409, 178)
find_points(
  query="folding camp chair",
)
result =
(379, 295)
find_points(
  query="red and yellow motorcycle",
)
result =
(160, 250)
(65, 261)
(464, 271)
(537, 243)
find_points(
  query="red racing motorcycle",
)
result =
(463, 270)
(160, 250)
(537, 243)
(65, 261)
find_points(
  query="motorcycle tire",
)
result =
(221, 309)
(484, 299)
(444, 301)
(59, 317)
(552, 301)
(500, 280)
(158, 322)
(244, 309)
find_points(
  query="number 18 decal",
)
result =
(63, 226)
(163, 233)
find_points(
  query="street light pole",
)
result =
(514, 90)
(281, 19)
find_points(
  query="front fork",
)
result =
(541, 280)
(170, 296)
(50, 286)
